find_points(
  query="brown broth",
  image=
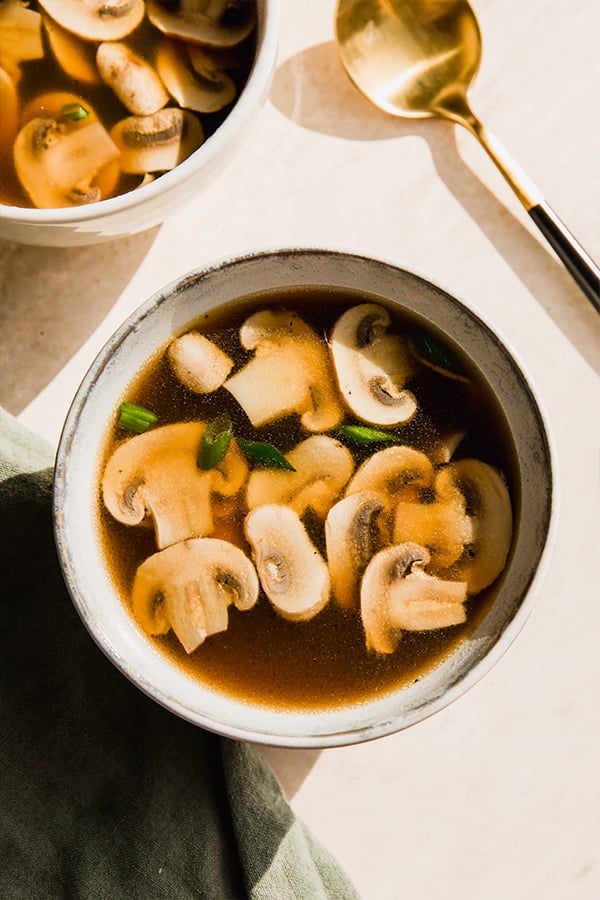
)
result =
(321, 663)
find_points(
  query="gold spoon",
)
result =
(417, 58)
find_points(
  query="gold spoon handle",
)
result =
(578, 263)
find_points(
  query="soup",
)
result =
(305, 500)
(99, 98)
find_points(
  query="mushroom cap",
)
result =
(76, 57)
(291, 358)
(353, 534)
(211, 22)
(323, 467)
(133, 80)
(158, 142)
(59, 160)
(372, 366)
(198, 363)
(490, 511)
(396, 595)
(442, 525)
(292, 572)
(20, 35)
(155, 474)
(205, 87)
(96, 20)
(189, 586)
(9, 104)
(398, 472)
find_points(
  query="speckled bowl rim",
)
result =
(76, 529)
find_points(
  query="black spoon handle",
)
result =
(583, 269)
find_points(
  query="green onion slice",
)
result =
(75, 111)
(364, 434)
(135, 418)
(215, 441)
(434, 353)
(265, 455)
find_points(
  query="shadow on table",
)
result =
(312, 90)
(51, 300)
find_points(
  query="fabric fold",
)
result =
(103, 793)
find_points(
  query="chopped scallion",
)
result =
(262, 454)
(75, 111)
(215, 441)
(135, 418)
(363, 434)
(435, 352)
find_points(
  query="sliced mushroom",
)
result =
(76, 57)
(189, 586)
(396, 595)
(198, 363)
(203, 87)
(354, 532)
(96, 20)
(20, 36)
(58, 160)
(323, 467)
(289, 373)
(9, 104)
(441, 525)
(156, 475)
(132, 79)
(372, 366)
(398, 472)
(217, 23)
(489, 508)
(157, 143)
(292, 572)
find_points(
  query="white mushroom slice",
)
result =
(489, 508)
(398, 472)
(289, 373)
(198, 363)
(9, 104)
(132, 79)
(396, 595)
(207, 89)
(157, 143)
(20, 35)
(96, 20)
(323, 467)
(156, 474)
(76, 57)
(372, 366)
(353, 534)
(292, 572)
(217, 23)
(57, 161)
(189, 586)
(442, 525)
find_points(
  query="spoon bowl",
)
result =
(418, 59)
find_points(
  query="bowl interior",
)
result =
(77, 529)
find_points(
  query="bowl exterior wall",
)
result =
(151, 205)
(77, 531)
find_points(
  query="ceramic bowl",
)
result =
(148, 206)
(76, 496)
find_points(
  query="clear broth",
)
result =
(322, 663)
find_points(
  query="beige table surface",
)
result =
(498, 796)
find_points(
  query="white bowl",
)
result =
(76, 491)
(150, 205)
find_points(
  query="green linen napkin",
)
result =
(103, 793)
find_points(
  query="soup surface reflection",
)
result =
(306, 500)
